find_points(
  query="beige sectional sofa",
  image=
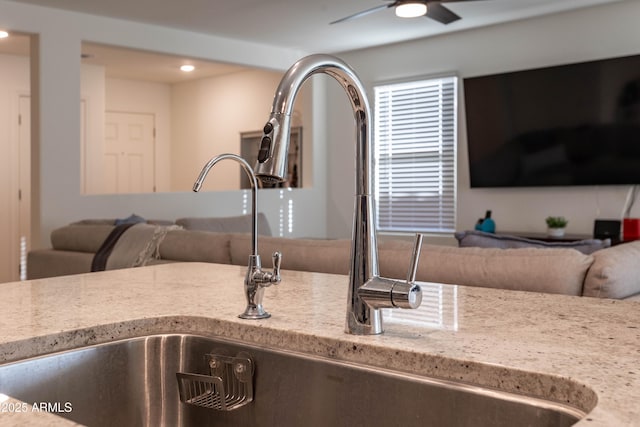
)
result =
(612, 272)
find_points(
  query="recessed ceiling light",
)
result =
(3, 34)
(411, 10)
(187, 68)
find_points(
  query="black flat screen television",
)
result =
(576, 124)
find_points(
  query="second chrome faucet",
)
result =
(256, 279)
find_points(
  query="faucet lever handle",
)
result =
(277, 261)
(415, 257)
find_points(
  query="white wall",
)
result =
(92, 95)
(586, 34)
(208, 116)
(56, 154)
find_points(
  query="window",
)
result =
(415, 152)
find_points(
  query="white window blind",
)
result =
(415, 142)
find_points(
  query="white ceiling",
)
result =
(297, 24)
(151, 67)
(304, 24)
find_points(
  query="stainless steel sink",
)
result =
(133, 383)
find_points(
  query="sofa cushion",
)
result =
(196, 246)
(615, 272)
(80, 237)
(231, 224)
(319, 255)
(555, 270)
(474, 238)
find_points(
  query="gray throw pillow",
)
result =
(473, 238)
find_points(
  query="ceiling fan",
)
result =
(433, 9)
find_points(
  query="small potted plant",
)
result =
(556, 225)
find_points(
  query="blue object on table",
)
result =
(486, 224)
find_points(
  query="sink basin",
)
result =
(133, 382)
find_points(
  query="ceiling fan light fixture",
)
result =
(411, 10)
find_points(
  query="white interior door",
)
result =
(129, 152)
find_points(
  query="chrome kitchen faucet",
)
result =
(368, 292)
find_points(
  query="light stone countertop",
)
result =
(580, 351)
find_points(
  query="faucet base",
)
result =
(373, 325)
(254, 313)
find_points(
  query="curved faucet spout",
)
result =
(367, 291)
(272, 158)
(254, 195)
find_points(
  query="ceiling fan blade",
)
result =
(363, 13)
(436, 11)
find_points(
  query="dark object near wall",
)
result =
(607, 229)
(576, 124)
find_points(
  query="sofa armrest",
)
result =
(615, 272)
(80, 237)
(43, 263)
(635, 298)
